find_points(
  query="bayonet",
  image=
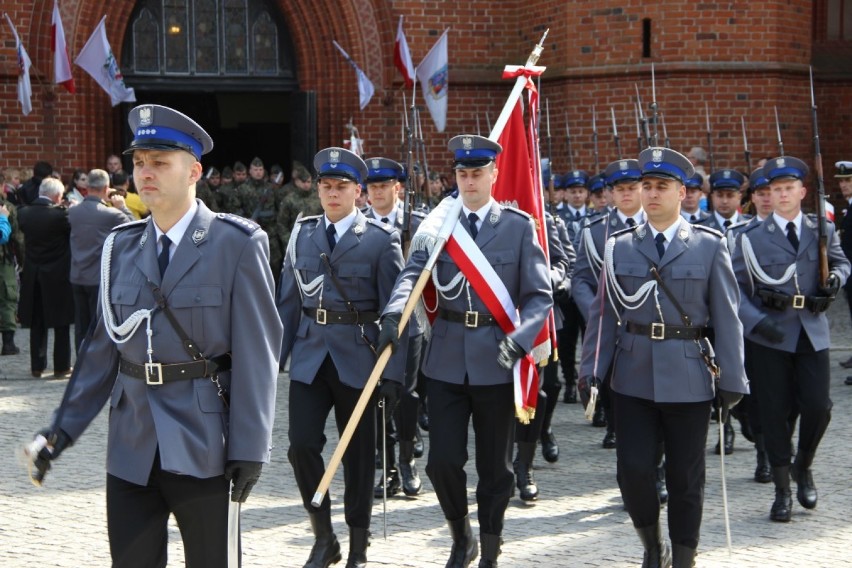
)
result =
(654, 105)
(665, 131)
(778, 131)
(615, 132)
(642, 118)
(568, 139)
(638, 129)
(746, 151)
(595, 139)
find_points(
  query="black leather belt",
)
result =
(323, 317)
(663, 331)
(469, 319)
(159, 373)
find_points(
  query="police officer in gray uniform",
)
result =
(783, 313)
(338, 274)
(179, 427)
(725, 194)
(652, 336)
(469, 358)
(383, 184)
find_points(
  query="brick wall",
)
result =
(740, 57)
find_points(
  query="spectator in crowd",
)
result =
(10, 247)
(78, 189)
(10, 183)
(29, 190)
(46, 300)
(121, 183)
(91, 222)
(113, 165)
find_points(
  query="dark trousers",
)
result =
(38, 340)
(405, 416)
(137, 519)
(451, 407)
(310, 405)
(639, 426)
(85, 311)
(786, 380)
(573, 328)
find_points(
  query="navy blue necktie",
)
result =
(385, 220)
(330, 232)
(630, 222)
(472, 219)
(792, 236)
(163, 258)
(661, 244)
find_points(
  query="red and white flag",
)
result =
(829, 211)
(97, 60)
(25, 89)
(402, 57)
(61, 61)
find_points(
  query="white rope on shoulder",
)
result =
(757, 271)
(314, 286)
(595, 261)
(617, 293)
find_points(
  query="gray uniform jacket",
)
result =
(366, 261)
(775, 253)
(91, 221)
(697, 269)
(220, 289)
(562, 259)
(585, 285)
(711, 221)
(507, 239)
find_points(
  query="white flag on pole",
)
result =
(365, 86)
(61, 62)
(432, 74)
(98, 61)
(25, 89)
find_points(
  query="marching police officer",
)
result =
(338, 274)
(383, 186)
(470, 357)
(179, 427)
(690, 207)
(667, 279)
(783, 313)
(725, 194)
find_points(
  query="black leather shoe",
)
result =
(683, 556)
(391, 482)
(418, 443)
(423, 419)
(847, 364)
(782, 508)
(570, 395)
(599, 418)
(806, 492)
(762, 473)
(848, 381)
(609, 440)
(359, 540)
(729, 440)
(490, 550)
(657, 553)
(549, 448)
(326, 549)
(465, 549)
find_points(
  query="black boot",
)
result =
(465, 549)
(806, 491)
(490, 550)
(762, 473)
(9, 347)
(570, 396)
(411, 484)
(391, 482)
(549, 448)
(609, 438)
(657, 554)
(782, 508)
(729, 439)
(326, 550)
(599, 418)
(683, 556)
(524, 471)
(418, 442)
(359, 540)
(662, 490)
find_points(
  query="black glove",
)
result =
(769, 330)
(389, 332)
(832, 285)
(820, 304)
(726, 400)
(57, 441)
(584, 388)
(244, 475)
(509, 352)
(390, 392)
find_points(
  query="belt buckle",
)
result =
(471, 319)
(321, 316)
(798, 302)
(658, 331)
(153, 373)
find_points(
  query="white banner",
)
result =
(25, 89)
(98, 61)
(432, 74)
(365, 86)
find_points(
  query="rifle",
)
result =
(422, 146)
(568, 139)
(595, 139)
(746, 152)
(615, 132)
(822, 222)
(638, 129)
(667, 143)
(778, 130)
(709, 137)
(642, 118)
(550, 182)
(654, 105)
(409, 181)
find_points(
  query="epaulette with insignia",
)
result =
(626, 230)
(707, 229)
(245, 225)
(740, 225)
(596, 220)
(383, 226)
(516, 210)
(131, 225)
(751, 227)
(308, 218)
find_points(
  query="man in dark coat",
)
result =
(46, 298)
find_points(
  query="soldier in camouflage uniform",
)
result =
(300, 196)
(228, 201)
(260, 201)
(205, 189)
(8, 280)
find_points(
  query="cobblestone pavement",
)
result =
(578, 520)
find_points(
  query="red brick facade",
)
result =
(740, 57)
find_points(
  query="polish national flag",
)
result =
(61, 61)
(402, 57)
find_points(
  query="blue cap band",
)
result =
(623, 175)
(475, 154)
(785, 172)
(384, 173)
(166, 135)
(664, 169)
(340, 169)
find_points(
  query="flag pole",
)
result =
(452, 210)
